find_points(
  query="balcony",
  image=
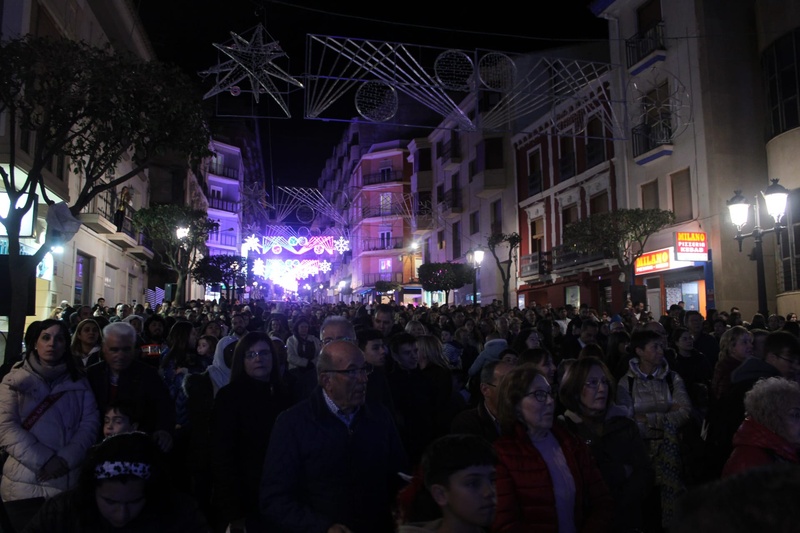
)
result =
(219, 169)
(143, 249)
(377, 212)
(451, 204)
(378, 244)
(651, 141)
(99, 214)
(368, 280)
(223, 239)
(645, 48)
(223, 205)
(128, 237)
(565, 258)
(535, 265)
(451, 155)
(421, 223)
(386, 176)
(488, 182)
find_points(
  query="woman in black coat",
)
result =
(243, 415)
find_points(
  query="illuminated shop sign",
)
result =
(691, 246)
(658, 261)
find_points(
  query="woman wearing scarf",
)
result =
(302, 348)
(48, 422)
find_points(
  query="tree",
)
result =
(178, 254)
(620, 234)
(91, 108)
(444, 277)
(210, 270)
(499, 239)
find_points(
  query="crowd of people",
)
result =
(310, 417)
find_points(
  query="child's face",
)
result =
(470, 497)
(203, 347)
(115, 423)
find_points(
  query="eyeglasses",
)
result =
(329, 340)
(541, 395)
(595, 382)
(365, 370)
(255, 355)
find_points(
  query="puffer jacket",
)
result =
(67, 429)
(754, 445)
(651, 396)
(526, 501)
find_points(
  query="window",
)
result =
(780, 65)
(648, 15)
(439, 194)
(681, 195)
(598, 203)
(473, 169)
(595, 142)
(569, 215)
(566, 163)
(386, 240)
(474, 222)
(385, 264)
(215, 192)
(25, 141)
(423, 202)
(650, 195)
(440, 239)
(386, 174)
(496, 217)
(493, 153)
(456, 240)
(422, 160)
(83, 279)
(537, 235)
(535, 185)
(386, 203)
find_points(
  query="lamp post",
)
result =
(739, 208)
(475, 258)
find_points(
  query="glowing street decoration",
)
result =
(279, 270)
(250, 243)
(341, 245)
(299, 245)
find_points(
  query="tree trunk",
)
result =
(20, 269)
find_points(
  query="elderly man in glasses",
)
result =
(333, 460)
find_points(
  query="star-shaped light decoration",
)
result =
(324, 267)
(251, 59)
(250, 243)
(341, 245)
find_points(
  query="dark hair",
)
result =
(592, 350)
(640, 339)
(677, 333)
(136, 447)
(178, 342)
(130, 409)
(519, 344)
(36, 329)
(512, 389)
(296, 325)
(368, 334)
(571, 388)
(780, 340)
(210, 339)
(452, 453)
(534, 355)
(243, 346)
(399, 339)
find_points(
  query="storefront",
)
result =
(680, 273)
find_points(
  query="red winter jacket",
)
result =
(754, 445)
(525, 498)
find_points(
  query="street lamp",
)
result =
(775, 197)
(475, 258)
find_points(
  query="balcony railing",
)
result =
(642, 44)
(369, 245)
(223, 205)
(535, 264)
(647, 137)
(451, 150)
(102, 204)
(565, 257)
(223, 239)
(369, 280)
(382, 177)
(370, 212)
(224, 171)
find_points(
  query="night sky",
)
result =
(182, 32)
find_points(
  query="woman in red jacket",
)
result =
(547, 480)
(771, 432)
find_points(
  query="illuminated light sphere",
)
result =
(236, 90)
(319, 249)
(276, 249)
(292, 241)
(454, 69)
(497, 71)
(302, 241)
(376, 101)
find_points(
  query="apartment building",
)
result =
(710, 95)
